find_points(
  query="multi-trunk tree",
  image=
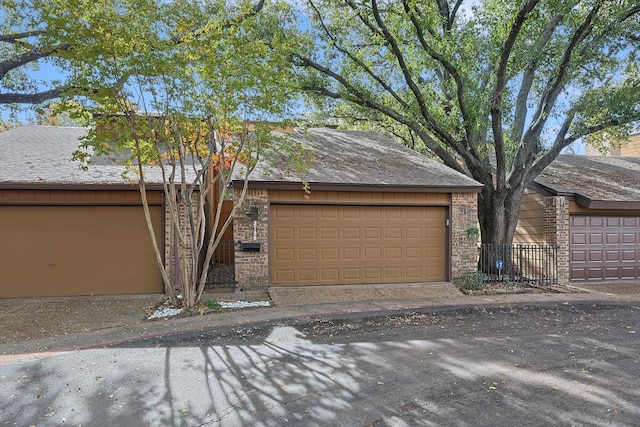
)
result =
(494, 89)
(172, 87)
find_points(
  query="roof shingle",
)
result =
(596, 178)
(367, 159)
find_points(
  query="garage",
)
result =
(342, 244)
(77, 250)
(604, 248)
(366, 210)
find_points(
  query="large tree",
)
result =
(495, 89)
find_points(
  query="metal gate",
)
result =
(519, 263)
(221, 275)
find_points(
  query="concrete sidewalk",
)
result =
(42, 347)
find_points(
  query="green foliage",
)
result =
(473, 233)
(181, 92)
(472, 281)
(493, 89)
(211, 304)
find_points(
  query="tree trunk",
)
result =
(498, 214)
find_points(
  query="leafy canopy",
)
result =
(494, 89)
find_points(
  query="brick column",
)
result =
(556, 232)
(464, 213)
(252, 268)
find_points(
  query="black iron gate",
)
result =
(519, 263)
(222, 272)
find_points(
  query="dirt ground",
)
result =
(33, 318)
(24, 319)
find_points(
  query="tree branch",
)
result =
(452, 71)
(496, 97)
(28, 57)
(413, 87)
(520, 114)
(227, 24)
(555, 84)
(359, 62)
(29, 98)
(361, 100)
(14, 38)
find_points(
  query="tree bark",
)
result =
(498, 214)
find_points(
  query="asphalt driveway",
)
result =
(555, 363)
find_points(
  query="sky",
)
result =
(48, 72)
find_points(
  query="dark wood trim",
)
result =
(82, 187)
(347, 203)
(585, 201)
(378, 188)
(74, 203)
(606, 204)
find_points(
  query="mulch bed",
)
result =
(499, 288)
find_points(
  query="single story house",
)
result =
(69, 231)
(376, 212)
(590, 207)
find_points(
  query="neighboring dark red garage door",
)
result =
(604, 248)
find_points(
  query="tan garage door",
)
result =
(76, 250)
(604, 248)
(322, 245)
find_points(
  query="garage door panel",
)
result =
(329, 233)
(595, 239)
(77, 250)
(612, 239)
(604, 248)
(351, 233)
(596, 221)
(612, 256)
(578, 238)
(358, 244)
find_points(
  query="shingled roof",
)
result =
(595, 182)
(42, 155)
(357, 159)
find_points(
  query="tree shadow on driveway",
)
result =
(548, 364)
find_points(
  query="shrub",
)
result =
(211, 303)
(472, 280)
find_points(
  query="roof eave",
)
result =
(76, 186)
(588, 203)
(383, 188)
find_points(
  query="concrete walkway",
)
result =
(42, 347)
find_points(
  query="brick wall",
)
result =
(464, 213)
(252, 268)
(556, 232)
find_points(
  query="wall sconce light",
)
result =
(253, 213)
